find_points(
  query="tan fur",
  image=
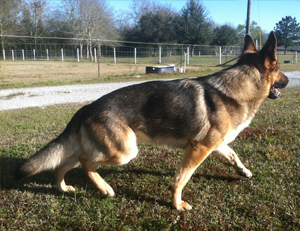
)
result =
(107, 131)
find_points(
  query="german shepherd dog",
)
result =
(198, 115)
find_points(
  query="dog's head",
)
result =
(267, 60)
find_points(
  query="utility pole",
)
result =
(248, 18)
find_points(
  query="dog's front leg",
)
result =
(231, 156)
(194, 154)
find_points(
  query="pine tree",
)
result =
(287, 32)
(225, 35)
(194, 27)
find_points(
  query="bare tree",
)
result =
(33, 17)
(10, 13)
(71, 9)
(122, 19)
(89, 21)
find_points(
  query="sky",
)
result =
(234, 12)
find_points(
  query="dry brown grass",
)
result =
(19, 73)
(21, 70)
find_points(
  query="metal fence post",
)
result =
(33, 54)
(12, 55)
(115, 58)
(188, 55)
(47, 54)
(3, 54)
(296, 56)
(62, 54)
(184, 67)
(95, 54)
(159, 55)
(23, 54)
(220, 55)
(77, 54)
(134, 55)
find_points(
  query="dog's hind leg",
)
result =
(194, 154)
(90, 169)
(69, 163)
(117, 152)
(231, 156)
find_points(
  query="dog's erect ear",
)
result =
(249, 44)
(269, 51)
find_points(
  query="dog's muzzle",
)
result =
(281, 82)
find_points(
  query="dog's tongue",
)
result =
(276, 92)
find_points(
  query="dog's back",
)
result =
(199, 115)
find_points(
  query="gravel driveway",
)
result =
(43, 96)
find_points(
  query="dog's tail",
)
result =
(53, 154)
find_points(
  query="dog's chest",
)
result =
(232, 134)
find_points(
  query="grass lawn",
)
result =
(221, 199)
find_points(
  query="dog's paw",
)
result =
(66, 188)
(245, 172)
(108, 191)
(183, 206)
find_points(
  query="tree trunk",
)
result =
(81, 50)
(2, 43)
(91, 50)
(154, 52)
(87, 51)
(99, 50)
(193, 50)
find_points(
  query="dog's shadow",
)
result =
(43, 182)
(228, 179)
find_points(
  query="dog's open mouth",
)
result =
(281, 82)
(274, 93)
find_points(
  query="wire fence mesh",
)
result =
(120, 58)
(118, 52)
